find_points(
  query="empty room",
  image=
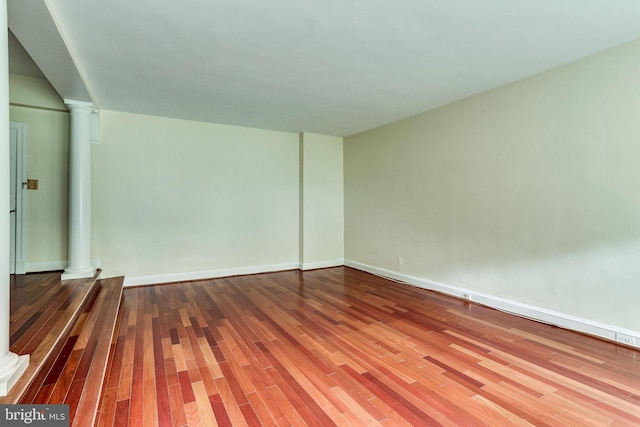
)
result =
(321, 213)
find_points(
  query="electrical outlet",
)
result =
(625, 339)
(399, 260)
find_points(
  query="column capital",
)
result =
(74, 104)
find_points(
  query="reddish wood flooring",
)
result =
(43, 313)
(78, 319)
(339, 346)
(77, 378)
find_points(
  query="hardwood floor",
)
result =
(66, 328)
(339, 346)
(43, 313)
(77, 378)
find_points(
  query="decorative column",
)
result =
(12, 366)
(79, 262)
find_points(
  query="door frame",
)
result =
(21, 188)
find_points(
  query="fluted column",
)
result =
(79, 244)
(11, 365)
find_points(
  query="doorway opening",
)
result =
(18, 183)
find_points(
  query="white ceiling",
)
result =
(19, 60)
(334, 67)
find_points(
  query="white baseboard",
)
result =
(206, 274)
(21, 267)
(35, 267)
(321, 264)
(543, 315)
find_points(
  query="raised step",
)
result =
(44, 313)
(77, 377)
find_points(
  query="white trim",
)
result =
(34, 267)
(563, 320)
(321, 264)
(206, 274)
(21, 179)
(95, 128)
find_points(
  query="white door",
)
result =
(13, 159)
(18, 172)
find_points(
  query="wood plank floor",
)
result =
(342, 347)
(43, 312)
(77, 377)
(67, 328)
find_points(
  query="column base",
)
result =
(13, 366)
(78, 273)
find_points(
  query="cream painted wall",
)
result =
(322, 195)
(31, 91)
(529, 192)
(174, 196)
(36, 103)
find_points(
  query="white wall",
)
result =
(322, 201)
(529, 192)
(36, 103)
(174, 197)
